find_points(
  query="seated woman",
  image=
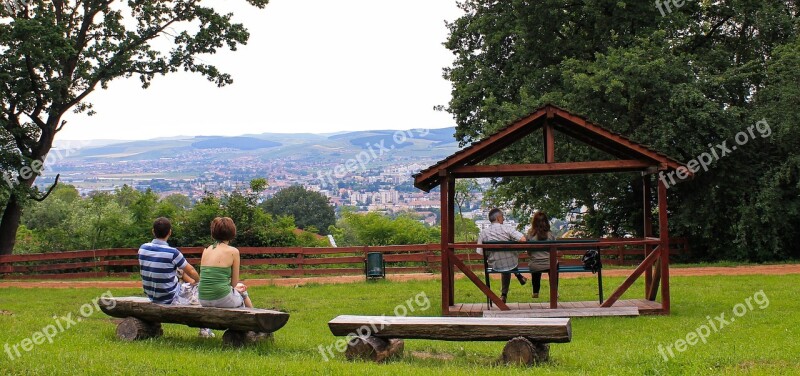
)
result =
(538, 261)
(219, 270)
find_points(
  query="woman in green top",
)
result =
(219, 270)
(538, 261)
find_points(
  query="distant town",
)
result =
(384, 185)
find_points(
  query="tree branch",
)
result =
(49, 191)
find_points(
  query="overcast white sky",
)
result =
(310, 66)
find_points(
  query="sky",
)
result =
(316, 66)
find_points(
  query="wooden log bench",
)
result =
(379, 338)
(142, 319)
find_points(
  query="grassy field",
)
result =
(760, 341)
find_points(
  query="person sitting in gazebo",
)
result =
(539, 260)
(506, 260)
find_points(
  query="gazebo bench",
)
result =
(561, 268)
(142, 319)
(379, 338)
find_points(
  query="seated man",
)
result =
(502, 261)
(162, 268)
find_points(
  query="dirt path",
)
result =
(674, 272)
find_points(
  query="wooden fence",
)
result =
(284, 261)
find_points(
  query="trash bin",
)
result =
(374, 265)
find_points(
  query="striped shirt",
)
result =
(158, 263)
(500, 261)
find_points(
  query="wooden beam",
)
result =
(565, 312)
(647, 230)
(564, 168)
(552, 275)
(599, 132)
(477, 281)
(444, 185)
(663, 233)
(549, 143)
(631, 279)
(451, 231)
(484, 148)
(652, 293)
(455, 328)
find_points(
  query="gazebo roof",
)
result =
(633, 156)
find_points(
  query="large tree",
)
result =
(309, 208)
(680, 81)
(54, 54)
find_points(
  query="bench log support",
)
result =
(235, 338)
(133, 329)
(523, 351)
(374, 349)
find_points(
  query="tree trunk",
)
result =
(373, 348)
(237, 338)
(9, 225)
(523, 351)
(132, 329)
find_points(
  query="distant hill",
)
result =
(239, 143)
(434, 143)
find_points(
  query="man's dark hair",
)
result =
(493, 214)
(161, 228)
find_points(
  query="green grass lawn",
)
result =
(761, 341)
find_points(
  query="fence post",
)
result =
(301, 259)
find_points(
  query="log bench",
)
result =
(379, 338)
(142, 319)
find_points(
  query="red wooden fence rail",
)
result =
(283, 261)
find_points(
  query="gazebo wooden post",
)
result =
(549, 142)
(648, 229)
(664, 245)
(451, 235)
(446, 221)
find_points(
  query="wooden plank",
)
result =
(454, 329)
(565, 312)
(632, 278)
(549, 169)
(450, 231)
(481, 149)
(664, 235)
(549, 143)
(444, 183)
(486, 290)
(241, 319)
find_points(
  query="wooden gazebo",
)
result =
(632, 157)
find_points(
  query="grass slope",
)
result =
(762, 341)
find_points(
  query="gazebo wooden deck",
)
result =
(632, 158)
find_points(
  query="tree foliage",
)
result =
(54, 54)
(309, 208)
(124, 219)
(378, 229)
(680, 83)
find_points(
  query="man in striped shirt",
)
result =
(160, 265)
(506, 260)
